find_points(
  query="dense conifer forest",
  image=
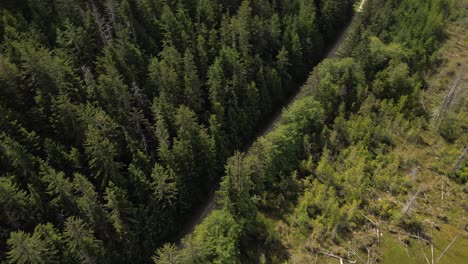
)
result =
(118, 117)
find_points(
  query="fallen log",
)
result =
(393, 231)
(447, 248)
(337, 257)
(377, 228)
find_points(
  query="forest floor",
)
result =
(203, 211)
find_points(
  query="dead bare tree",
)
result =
(368, 256)
(354, 253)
(447, 248)
(432, 253)
(337, 257)
(422, 250)
(442, 189)
(376, 226)
(410, 202)
(449, 96)
(410, 235)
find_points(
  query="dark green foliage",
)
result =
(342, 81)
(236, 187)
(117, 116)
(15, 204)
(27, 248)
(81, 243)
(164, 185)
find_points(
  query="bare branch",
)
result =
(432, 253)
(410, 203)
(447, 248)
(370, 220)
(410, 235)
(337, 257)
(422, 250)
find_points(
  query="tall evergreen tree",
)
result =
(27, 248)
(81, 242)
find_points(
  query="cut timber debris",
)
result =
(422, 250)
(393, 231)
(377, 228)
(448, 98)
(337, 257)
(447, 248)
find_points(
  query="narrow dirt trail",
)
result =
(332, 53)
(210, 204)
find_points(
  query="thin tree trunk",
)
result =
(410, 203)
(337, 257)
(432, 253)
(422, 250)
(447, 248)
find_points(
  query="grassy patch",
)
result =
(394, 252)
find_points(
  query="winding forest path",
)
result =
(210, 204)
